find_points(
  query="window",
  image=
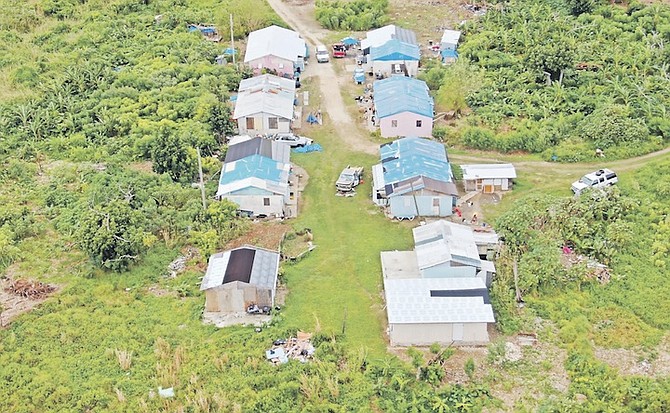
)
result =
(394, 123)
(273, 123)
(436, 202)
(266, 201)
(281, 65)
(419, 123)
(250, 123)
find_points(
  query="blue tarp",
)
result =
(349, 41)
(315, 147)
(229, 51)
(311, 119)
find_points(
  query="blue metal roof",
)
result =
(406, 167)
(394, 49)
(399, 94)
(254, 166)
(413, 146)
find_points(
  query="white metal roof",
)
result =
(443, 241)
(216, 270)
(485, 237)
(489, 171)
(377, 37)
(279, 188)
(275, 41)
(399, 264)
(267, 82)
(265, 96)
(409, 301)
(378, 177)
(451, 36)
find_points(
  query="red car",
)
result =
(339, 50)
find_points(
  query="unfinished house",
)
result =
(239, 278)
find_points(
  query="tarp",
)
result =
(311, 119)
(349, 41)
(229, 51)
(315, 147)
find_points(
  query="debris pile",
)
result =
(297, 348)
(179, 264)
(30, 289)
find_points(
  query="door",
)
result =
(436, 207)
(250, 123)
(457, 332)
(488, 189)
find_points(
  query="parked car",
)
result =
(339, 50)
(322, 55)
(597, 179)
(292, 139)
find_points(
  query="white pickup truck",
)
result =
(349, 178)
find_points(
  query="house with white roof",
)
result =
(275, 49)
(265, 105)
(488, 178)
(239, 278)
(448, 45)
(438, 292)
(423, 311)
(380, 36)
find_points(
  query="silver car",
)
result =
(292, 139)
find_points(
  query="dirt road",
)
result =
(301, 18)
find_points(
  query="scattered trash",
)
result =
(30, 289)
(166, 393)
(297, 348)
(315, 147)
(255, 309)
(179, 264)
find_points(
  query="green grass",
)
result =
(339, 283)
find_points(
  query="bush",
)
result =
(478, 138)
(356, 15)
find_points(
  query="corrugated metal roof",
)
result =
(265, 95)
(255, 266)
(409, 301)
(278, 188)
(395, 50)
(378, 37)
(254, 166)
(278, 151)
(420, 182)
(443, 241)
(407, 167)
(489, 171)
(275, 41)
(267, 82)
(402, 94)
(451, 36)
(413, 146)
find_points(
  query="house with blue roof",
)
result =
(395, 58)
(258, 184)
(414, 178)
(403, 107)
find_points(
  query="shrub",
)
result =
(355, 15)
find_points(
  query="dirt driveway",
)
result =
(300, 16)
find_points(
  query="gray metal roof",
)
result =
(409, 301)
(265, 94)
(377, 37)
(264, 266)
(278, 151)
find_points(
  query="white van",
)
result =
(322, 55)
(598, 179)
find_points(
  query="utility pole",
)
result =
(232, 40)
(202, 183)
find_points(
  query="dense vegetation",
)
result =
(626, 229)
(351, 15)
(564, 78)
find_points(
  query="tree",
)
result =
(170, 155)
(112, 235)
(578, 7)
(221, 121)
